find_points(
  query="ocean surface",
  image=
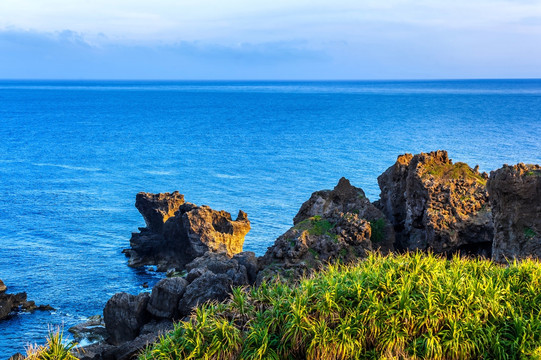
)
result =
(73, 154)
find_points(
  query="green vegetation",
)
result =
(377, 233)
(410, 306)
(529, 233)
(55, 348)
(454, 171)
(316, 226)
(319, 226)
(533, 173)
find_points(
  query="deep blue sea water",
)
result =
(73, 154)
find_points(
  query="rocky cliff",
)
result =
(515, 197)
(177, 232)
(333, 225)
(437, 205)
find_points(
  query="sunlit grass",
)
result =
(55, 348)
(411, 306)
(454, 171)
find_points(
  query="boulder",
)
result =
(165, 296)
(3, 287)
(515, 198)
(93, 330)
(437, 205)
(207, 287)
(241, 268)
(124, 316)
(178, 232)
(333, 225)
(150, 333)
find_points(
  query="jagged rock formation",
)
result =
(339, 224)
(134, 321)
(16, 302)
(437, 205)
(178, 232)
(515, 197)
(124, 316)
(92, 330)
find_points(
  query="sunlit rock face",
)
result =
(437, 205)
(515, 197)
(177, 232)
(333, 225)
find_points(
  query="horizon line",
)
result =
(270, 80)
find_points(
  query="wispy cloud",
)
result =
(279, 39)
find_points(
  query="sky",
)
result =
(274, 40)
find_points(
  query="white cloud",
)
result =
(243, 20)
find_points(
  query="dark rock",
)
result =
(160, 326)
(124, 315)
(207, 287)
(92, 330)
(94, 352)
(7, 305)
(13, 303)
(249, 261)
(165, 296)
(515, 197)
(333, 225)
(179, 232)
(437, 205)
(220, 263)
(150, 333)
(17, 356)
(195, 273)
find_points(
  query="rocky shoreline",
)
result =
(11, 304)
(427, 203)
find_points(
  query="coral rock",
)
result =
(437, 205)
(515, 196)
(333, 225)
(178, 232)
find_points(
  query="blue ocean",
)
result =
(73, 154)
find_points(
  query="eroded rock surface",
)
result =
(124, 316)
(515, 197)
(178, 232)
(134, 321)
(165, 297)
(333, 225)
(437, 205)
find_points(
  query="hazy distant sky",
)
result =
(293, 39)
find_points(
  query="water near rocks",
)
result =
(73, 155)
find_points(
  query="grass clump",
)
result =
(55, 348)
(454, 171)
(316, 226)
(409, 306)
